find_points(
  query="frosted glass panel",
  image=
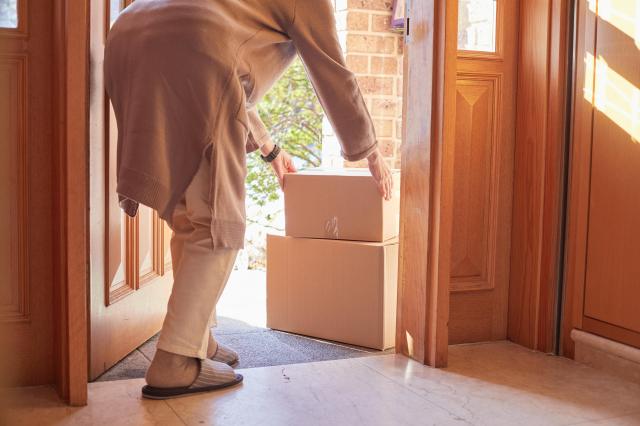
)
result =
(477, 25)
(114, 10)
(8, 13)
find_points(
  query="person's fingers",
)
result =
(290, 167)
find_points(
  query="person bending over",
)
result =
(184, 77)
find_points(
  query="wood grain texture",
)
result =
(611, 331)
(14, 219)
(77, 176)
(555, 171)
(538, 182)
(26, 280)
(474, 219)
(70, 80)
(129, 283)
(485, 139)
(579, 182)
(426, 184)
(612, 285)
(604, 209)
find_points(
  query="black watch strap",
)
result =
(272, 155)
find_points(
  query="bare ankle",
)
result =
(169, 358)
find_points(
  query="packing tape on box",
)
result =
(331, 228)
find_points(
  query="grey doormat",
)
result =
(257, 347)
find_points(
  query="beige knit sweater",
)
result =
(184, 77)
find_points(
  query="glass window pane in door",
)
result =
(477, 25)
(115, 6)
(8, 13)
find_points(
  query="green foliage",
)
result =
(293, 116)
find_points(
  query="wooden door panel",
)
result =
(483, 169)
(612, 284)
(26, 195)
(130, 284)
(152, 240)
(168, 266)
(14, 302)
(474, 221)
(148, 239)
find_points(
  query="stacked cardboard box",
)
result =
(334, 274)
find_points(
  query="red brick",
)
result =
(399, 87)
(357, 164)
(360, 43)
(398, 134)
(370, 4)
(383, 108)
(357, 21)
(380, 23)
(376, 85)
(384, 128)
(387, 147)
(358, 64)
(384, 65)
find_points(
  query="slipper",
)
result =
(226, 355)
(213, 375)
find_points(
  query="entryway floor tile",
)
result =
(485, 384)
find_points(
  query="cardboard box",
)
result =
(336, 290)
(340, 205)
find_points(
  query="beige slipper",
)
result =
(226, 354)
(213, 375)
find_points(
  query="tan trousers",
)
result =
(200, 272)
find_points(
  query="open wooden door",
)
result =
(130, 257)
(603, 239)
(483, 169)
(457, 182)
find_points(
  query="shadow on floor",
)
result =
(257, 347)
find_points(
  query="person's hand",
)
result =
(381, 174)
(282, 165)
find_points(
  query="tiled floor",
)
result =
(485, 384)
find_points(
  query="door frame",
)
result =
(578, 206)
(426, 193)
(540, 173)
(70, 82)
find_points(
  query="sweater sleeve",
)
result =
(313, 32)
(258, 134)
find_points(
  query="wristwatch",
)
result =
(272, 155)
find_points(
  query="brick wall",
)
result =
(374, 54)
